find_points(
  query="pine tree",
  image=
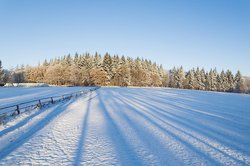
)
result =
(190, 79)
(230, 81)
(219, 85)
(172, 75)
(107, 67)
(136, 72)
(45, 63)
(211, 80)
(180, 77)
(97, 61)
(76, 60)
(122, 74)
(200, 79)
(239, 83)
(224, 81)
(1, 72)
(214, 80)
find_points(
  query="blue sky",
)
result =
(205, 33)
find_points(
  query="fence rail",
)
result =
(38, 103)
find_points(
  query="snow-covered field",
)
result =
(14, 95)
(132, 126)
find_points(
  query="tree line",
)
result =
(199, 79)
(91, 70)
(88, 70)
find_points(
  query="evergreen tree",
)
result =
(76, 60)
(203, 78)
(239, 83)
(1, 73)
(219, 85)
(200, 77)
(180, 77)
(172, 81)
(107, 67)
(224, 81)
(211, 80)
(45, 63)
(190, 79)
(230, 81)
(97, 61)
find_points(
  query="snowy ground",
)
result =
(137, 126)
(13, 95)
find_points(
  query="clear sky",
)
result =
(205, 33)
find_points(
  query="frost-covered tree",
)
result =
(190, 79)
(180, 77)
(122, 74)
(230, 81)
(219, 85)
(1, 72)
(211, 80)
(172, 75)
(107, 66)
(76, 60)
(224, 81)
(200, 78)
(239, 83)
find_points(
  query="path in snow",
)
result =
(137, 126)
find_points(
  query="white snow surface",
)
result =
(15, 95)
(133, 126)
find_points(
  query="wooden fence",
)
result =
(38, 103)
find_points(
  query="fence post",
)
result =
(40, 104)
(18, 109)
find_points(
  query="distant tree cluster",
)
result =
(211, 81)
(114, 70)
(95, 69)
(1, 73)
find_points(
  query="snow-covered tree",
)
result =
(230, 81)
(190, 79)
(107, 67)
(1, 72)
(180, 77)
(211, 82)
(200, 78)
(239, 83)
(172, 75)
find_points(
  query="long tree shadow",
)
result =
(196, 101)
(180, 105)
(166, 119)
(124, 151)
(25, 121)
(165, 131)
(211, 130)
(172, 111)
(148, 141)
(154, 111)
(82, 138)
(29, 133)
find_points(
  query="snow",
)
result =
(15, 95)
(133, 126)
(26, 85)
